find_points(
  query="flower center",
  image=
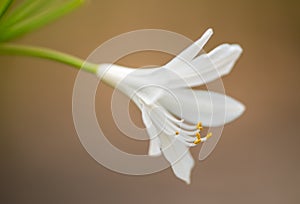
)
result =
(198, 138)
(164, 121)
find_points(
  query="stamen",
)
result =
(189, 134)
(187, 127)
(199, 139)
(178, 122)
(183, 131)
(208, 135)
(171, 117)
(199, 126)
(188, 143)
(198, 135)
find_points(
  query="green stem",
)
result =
(13, 49)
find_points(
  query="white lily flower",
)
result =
(165, 98)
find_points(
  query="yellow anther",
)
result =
(199, 126)
(198, 135)
(208, 135)
(176, 133)
(197, 141)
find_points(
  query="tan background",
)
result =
(257, 159)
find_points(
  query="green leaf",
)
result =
(24, 10)
(38, 19)
(4, 5)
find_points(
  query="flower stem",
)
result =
(14, 49)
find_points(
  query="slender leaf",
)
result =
(33, 22)
(4, 5)
(26, 9)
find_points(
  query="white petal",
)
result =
(212, 109)
(205, 68)
(154, 145)
(112, 74)
(179, 157)
(223, 57)
(149, 93)
(189, 53)
(146, 119)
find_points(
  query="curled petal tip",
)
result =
(207, 34)
(237, 47)
(203, 39)
(237, 111)
(209, 31)
(188, 181)
(241, 108)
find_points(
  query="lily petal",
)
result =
(189, 53)
(212, 109)
(154, 146)
(179, 157)
(204, 68)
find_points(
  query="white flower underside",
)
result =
(170, 109)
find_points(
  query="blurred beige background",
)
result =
(257, 158)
